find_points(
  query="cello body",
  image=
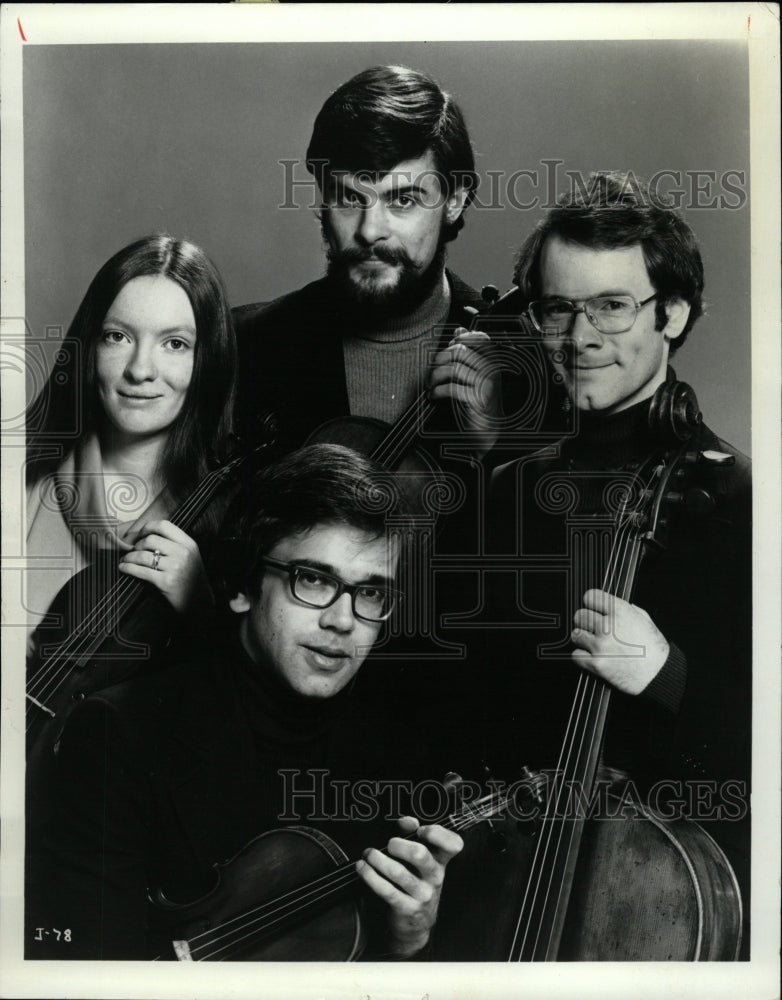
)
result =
(644, 890)
(647, 890)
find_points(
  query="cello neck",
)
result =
(544, 905)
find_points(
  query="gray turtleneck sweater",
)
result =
(386, 366)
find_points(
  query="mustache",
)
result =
(357, 255)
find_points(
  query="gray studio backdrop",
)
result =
(122, 140)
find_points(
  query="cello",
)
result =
(631, 887)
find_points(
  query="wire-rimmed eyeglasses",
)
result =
(607, 313)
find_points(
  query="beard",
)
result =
(369, 301)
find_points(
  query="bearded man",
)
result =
(394, 166)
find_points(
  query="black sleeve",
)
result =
(89, 863)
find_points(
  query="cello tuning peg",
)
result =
(497, 840)
(699, 501)
(716, 458)
(696, 500)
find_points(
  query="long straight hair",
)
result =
(68, 407)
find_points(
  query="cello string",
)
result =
(617, 581)
(586, 688)
(530, 898)
(548, 844)
(553, 825)
(578, 767)
(256, 920)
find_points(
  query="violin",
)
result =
(629, 887)
(402, 446)
(288, 895)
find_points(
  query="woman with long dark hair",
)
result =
(136, 410)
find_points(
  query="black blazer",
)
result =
(291, 361)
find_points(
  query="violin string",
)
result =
(488, 806)
(260, 922)
(397, 440)
(587, 687)
(386, 451)
(268, 914)
(91, 631)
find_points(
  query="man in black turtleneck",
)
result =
(613, 281)
(253, 727)
(387, 326)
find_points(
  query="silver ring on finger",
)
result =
(155, 558)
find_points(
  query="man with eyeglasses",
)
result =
(253, 728)
(613, 280)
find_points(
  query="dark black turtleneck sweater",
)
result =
(161, 778)
(692, 722)
(607, 443)
(529, 515)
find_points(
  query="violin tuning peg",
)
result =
(487, 773)
(536, 783)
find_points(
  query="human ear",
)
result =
(239, 604)
(455, 204)
(678, 312)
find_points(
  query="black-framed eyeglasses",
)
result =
(607, 313)
(372, 602)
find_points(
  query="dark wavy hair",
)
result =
(317, 484)
(388, 114)
(617, 210)
(69, 406)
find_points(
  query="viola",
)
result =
(291, 894)
(112, 640)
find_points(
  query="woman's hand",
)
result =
(170, 560)
(409, 878)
